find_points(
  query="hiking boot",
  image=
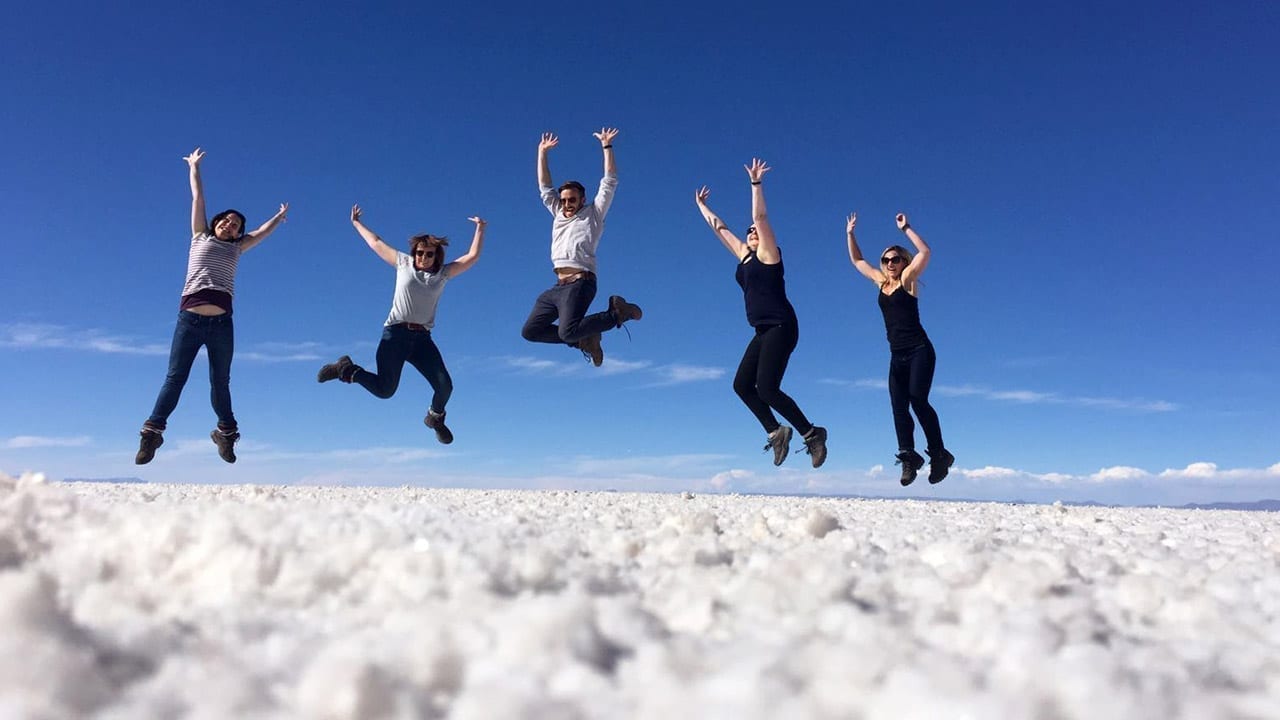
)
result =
(939, 465)
(780, 443)
(590, 347)
(815, 443)
(911, 462)
(623, 310)
(336, 370)
(147, 445)
(435, 421)
(226, 443)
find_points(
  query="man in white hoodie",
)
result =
(575, 235)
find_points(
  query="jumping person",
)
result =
(204, 317)
(406, 335)
(760, 274)
(575, 235)
(911, 354)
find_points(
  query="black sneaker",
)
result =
(435, 421)
(147, 445)
(226, 444)
(335, 370)
(939, 465)
(815, 443)
(911, 462)
(591, 350)
(623, 310)
(780, 443)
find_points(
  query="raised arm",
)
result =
(549, 196)
(605, 136)
(265, 229)
(767, 250)
(727, 238)
(384, 251)
(871, 272)
(464, 263)
(608, 183)
(921, 260)
(199, 221)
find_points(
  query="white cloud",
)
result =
(675, 374)
(22, 442)
(725, 480)
(1119, 472)
(1028, 397)
(34, 336)
(44, 336)
(647, 464)
(991, 471)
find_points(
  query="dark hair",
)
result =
(574, 185)
(434, 241)
(213, 224)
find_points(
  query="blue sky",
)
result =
(1098, 185)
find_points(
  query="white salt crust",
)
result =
(179, 601)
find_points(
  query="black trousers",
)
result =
(910, 379)
(759, 378)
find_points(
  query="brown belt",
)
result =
(570, 279)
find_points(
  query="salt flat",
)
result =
(130, 601)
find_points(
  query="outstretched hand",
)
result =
(284, 212)
(549, 140)
(902, 221)
(195, 157)
(479, 221)
(851, 223)
(606, 135)
(700, 196)
(756, 169)
(355, 213)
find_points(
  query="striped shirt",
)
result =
(211, 265)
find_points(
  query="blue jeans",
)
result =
(910, 379)
(568, 304)
(217, 335)
(399, 345)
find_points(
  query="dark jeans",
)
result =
(759, 377)
(568, 304)
(398, 345)
(217, 335)
(910, 378)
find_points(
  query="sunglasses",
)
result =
(571, 199)
(892, 260)
(424, 253)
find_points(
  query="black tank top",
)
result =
(765, 292)
(902, 319)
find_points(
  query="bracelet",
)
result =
(755, 182)
(606, 147)
(906, 227)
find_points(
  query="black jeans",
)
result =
(567, 304)
(759, 378)
(217, 335)
(398, 345)
(910, 378)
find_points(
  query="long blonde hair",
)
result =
(901, 251)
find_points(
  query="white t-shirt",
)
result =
(417, 293)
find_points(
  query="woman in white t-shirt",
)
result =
(406, 335)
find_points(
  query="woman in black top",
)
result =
(759, 377)
(912, 358)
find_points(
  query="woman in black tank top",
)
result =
(912, 358)
(759, 377)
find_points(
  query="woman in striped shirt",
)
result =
(204, 317)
